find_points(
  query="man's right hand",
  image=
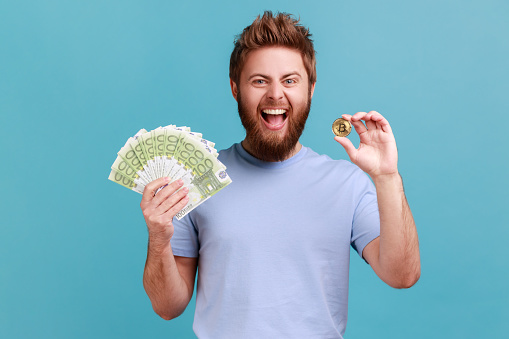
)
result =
(159, 209)
(168, 280)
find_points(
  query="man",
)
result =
(272, 249)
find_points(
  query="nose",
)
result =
(275, 91)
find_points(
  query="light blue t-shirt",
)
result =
(274, 246)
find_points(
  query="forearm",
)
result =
(399, 258)
(163, 283)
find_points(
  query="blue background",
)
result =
(77, 78)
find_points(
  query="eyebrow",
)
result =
(258, 75)
(267, 77)
(291, 74)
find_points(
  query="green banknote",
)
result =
(124, 181)
(174, 152)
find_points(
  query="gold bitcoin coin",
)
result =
(341, 127)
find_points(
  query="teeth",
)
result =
(274, 111)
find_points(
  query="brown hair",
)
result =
(269, 30)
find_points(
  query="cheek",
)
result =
(252, 98)
(298, 100)
(298, 95)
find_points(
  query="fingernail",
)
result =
(180, 182)
(167, 179)
(185, 189)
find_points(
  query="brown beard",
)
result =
(271, 145)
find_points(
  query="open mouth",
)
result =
(274, 118)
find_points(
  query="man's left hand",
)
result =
(377, 154)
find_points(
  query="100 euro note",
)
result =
(174, 152)
(209, 173)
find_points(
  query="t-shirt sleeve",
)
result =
(366, 219)
(185, 241)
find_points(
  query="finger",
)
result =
(347, 117)
(381, 122)
(150, 189)
(172, 200)
(371, 120)
(358, 116)
(371, 125)
(177, 207)
(370, 115)
(384, 124)
(167, 191)
(359, 126)
(347, 145)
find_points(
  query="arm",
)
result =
(394, 256)
(168, 279)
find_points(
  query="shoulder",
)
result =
(336, 173)
(227, 154)
(323, 162)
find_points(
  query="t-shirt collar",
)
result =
(269, 164)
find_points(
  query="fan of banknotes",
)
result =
(173, 152)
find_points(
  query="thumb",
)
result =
(347, 145)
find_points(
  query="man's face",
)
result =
(274, 99)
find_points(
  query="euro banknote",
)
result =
(174, 152)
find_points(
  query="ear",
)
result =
(233, 85)
(312, 89)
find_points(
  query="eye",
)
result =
(259, 82)
(290, 81)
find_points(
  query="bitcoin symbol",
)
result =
(341, 127)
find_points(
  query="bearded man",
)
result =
(273, 248)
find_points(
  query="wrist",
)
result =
(159, 244)
(383, 179)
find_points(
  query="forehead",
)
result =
(273, 61)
